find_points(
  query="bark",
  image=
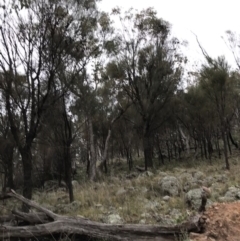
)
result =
(229, 146)
(147, 147)
(10, 182)
(48, 224)
(6, 155)
(68, 172)
(232, 140)
(225, 151)
(168, 150)
(103, 164)
(26, 155)
(92, 160)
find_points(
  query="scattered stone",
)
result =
(132, 175)
(151, 205)
(98, 205)
(170, 185)
(166, 198)
(142, 221)
(187, 181)
(162, 174)
(144, 190)
(194, 199)
(121, 191)
(75, 184)
(114, 219)
(145, 215)
(232, 194)
(146, 174)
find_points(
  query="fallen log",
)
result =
(47, 223)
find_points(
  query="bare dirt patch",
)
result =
(222, 223)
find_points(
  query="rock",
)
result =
(114, 219)
(222, 178)
(232, 194)
(162, 174)
(146, 174)
(75, 184)
(75, 205)
(166, 198)
(144, 190)
(121, 191)
(199, 176)
(194, 199)
(132, 175)
(187, 181)
(170, 185)
(98, 205)
(175, 214)
(145, 215)
(151, 204)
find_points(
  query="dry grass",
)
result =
(139, 195)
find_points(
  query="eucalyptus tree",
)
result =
(38, 42)
(148, 68)
(95, 96)
(218, 85)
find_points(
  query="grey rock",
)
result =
(187, 181)
(166, 198)
(98, 205)
(145, 215)
(132, 175)
(199, 176)
(151, 205)
(222, 178)
(121, 191)
(170, 185)
(194, 199)
(144, 190)
(114, 219)
(75, 184)
(146, 174)
(232, 194)
(162, 174)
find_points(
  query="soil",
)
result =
(222, 222)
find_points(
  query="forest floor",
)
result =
(135, 197)
(223, 223)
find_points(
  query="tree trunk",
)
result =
(168, 150)
(92, 160)
(26, 155)
(229, 145)
(225, 151)
(231, 139)
(68, 171)
(205, 147)
(103, 164)
(147, 147)
(10, 183)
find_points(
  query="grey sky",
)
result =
(208, 19)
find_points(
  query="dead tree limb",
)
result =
(48, 223)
